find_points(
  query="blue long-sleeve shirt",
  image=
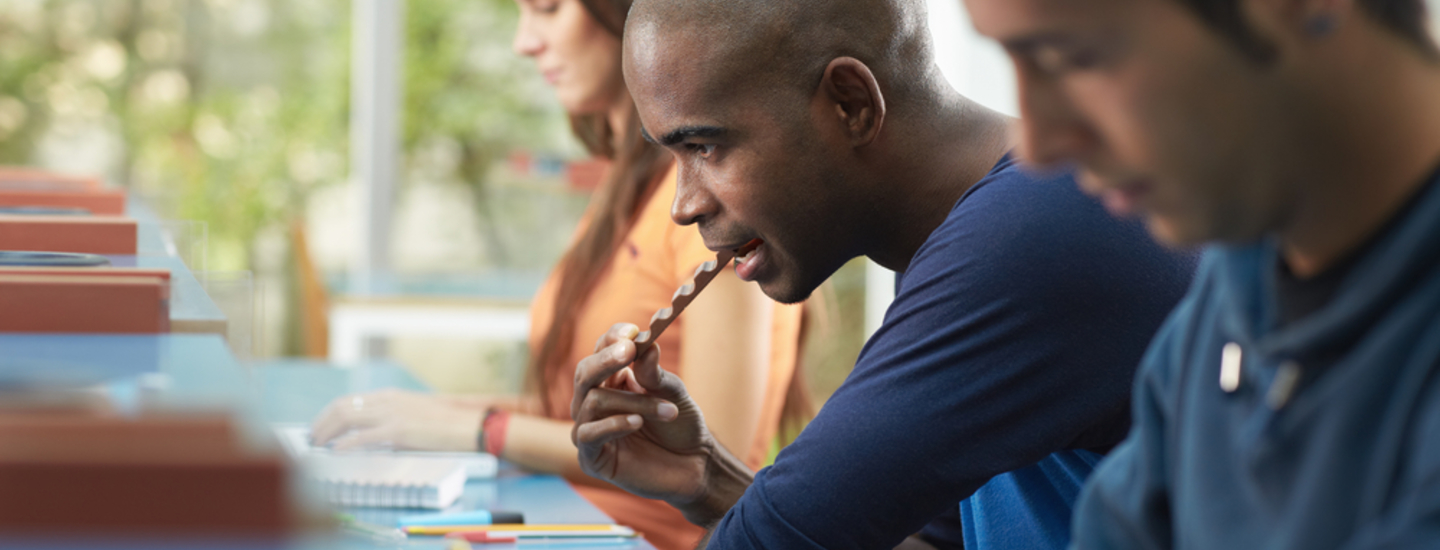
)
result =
(1010, 347)
(1345, 454)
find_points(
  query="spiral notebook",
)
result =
(387, 482)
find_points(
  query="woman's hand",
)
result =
(398, 419)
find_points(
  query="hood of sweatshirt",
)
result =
(1385, 274)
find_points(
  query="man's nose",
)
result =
(693, 201)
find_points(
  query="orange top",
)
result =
(655, 259)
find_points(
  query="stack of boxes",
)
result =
(72, 463)
(52, 213)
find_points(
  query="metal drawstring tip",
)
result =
(1230, 366)
(1286, 379)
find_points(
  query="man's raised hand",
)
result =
(635, 425)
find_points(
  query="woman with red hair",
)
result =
(737, 350)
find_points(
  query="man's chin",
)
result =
(1177, 233)
(785, 293)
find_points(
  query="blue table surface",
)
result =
(182, 370)
(172, 370)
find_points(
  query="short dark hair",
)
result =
(1406, 18)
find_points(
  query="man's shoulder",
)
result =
(1016, 216)
(1036, 240)
(1014, 199)
(1014, 194)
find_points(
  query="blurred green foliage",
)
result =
(469, 100)
(233, 112)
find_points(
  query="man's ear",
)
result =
(855, 95)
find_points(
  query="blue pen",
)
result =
(472, 517)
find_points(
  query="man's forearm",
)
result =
(726, 479)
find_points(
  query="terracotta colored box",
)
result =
(84, 303)
(100, 202)
(15, 177)
(78, 473)
(163, 274)
(85, 234)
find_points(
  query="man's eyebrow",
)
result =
(683, 133)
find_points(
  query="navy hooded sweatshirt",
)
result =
(1330, 439)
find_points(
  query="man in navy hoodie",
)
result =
(1002, 371)
(1292, 401)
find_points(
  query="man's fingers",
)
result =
(624, 379)
(649, 375)
(617, 332)
(617, 380)
(647, 368)
(596, 369)
(627, 382)
(603, 402)
(605, 430)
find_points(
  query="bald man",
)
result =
(1001, 373)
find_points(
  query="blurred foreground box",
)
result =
(37, 179)
(84, 300)
(83, 234)
(29, 187)
(76, 472)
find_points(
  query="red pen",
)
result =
(480, 536)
